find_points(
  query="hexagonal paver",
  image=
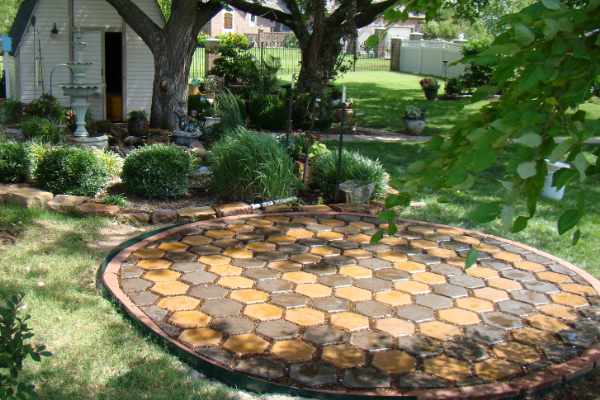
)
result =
(148, 253)
(533, 336)
(199, 277)
(465, 350)
(516, 307)
(217, 307)
(577, 289)
(504, 284)
(260, 273)
(373, 284)
(248, 296)
(446, 270)
(170, 288)
(225, 270)
(502, 320)
(410, 266)
(394, 362)
(189, 319)
(569, 299)
(305, 316)
(274, 286)
(214, 260)
(475, 305)
(272, 256)
(293, 350)
(153, 264)
(395, 327)
(372, 341)
(559, 311)
(447, 368)
(263, 312)
(451, 291)
(494, 370)
(391, 275)
(312, 374)
(554, 277)
(285, 266)
(178, 303)
(325, 251)
(323, 335)
(458, 316)
(343, 356)
(415, 313)
(235, 282)
(356, 272)
(482, 272)
(261, 246)
(433, 301)
(518, 275)
(246, 344)
(429, 278)
(289, 300)
(305, 258)
(440, 330)
(373, 309)
(419, 346)
(278, 329)
(353, 293)
(232, 325)
(313, 290)
(485, 334)
(161, 275)
(331, 304)
(200, 337)
(335, 280)
(320, 269)
(411, 287)
(516, 352)
(349, 321)
(393, 298)
(468, 282)
(494, 295)
(293, 248)
(546, 323)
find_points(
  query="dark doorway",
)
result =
(113, 67)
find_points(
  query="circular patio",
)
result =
(304, 304)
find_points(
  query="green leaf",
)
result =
(526, 169)
(486, 212)
(507, 185)
(435, 209)
(456, 177)
(581, 164)
(561, 177)
(417, 167)
(551, 4)
(445, 198)
(531, 139)
(568, 220)
(524, 34)
(519, 224)
(387, 215)
(377, 237)
(372, 41)
(392, 201)
(560, 150)
(471, 258)
(507, 215)
(435, 141)
(576, 237)
(392, 228)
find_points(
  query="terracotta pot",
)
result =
(138, 127)
(430, 94)
(414, 127)
(348, 114)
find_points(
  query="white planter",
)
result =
(549, 190)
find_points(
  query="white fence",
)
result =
(428, 56)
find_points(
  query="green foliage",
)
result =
(14, 162)
(102, 126)
(264, 76)
(476, 75)
(233, 64)
(14, 332)
(11, 112)
(71, 170)
(268, 112)
(453, 86)
(35, 151)
(136, 115)
(237, 40)
(443, 29)
(307, 111)
(43, 107)
(546, 64)
(414, 113)
(157, 171)
(354, 166)
(291, 41)
(250, 165)
(116, 200)
(113, 162)
(227, 108)
(42, 129)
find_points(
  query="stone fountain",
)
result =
(79, 92)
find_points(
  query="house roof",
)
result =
(17, 30)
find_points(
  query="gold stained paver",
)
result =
(178, 303)
(278, 219)
(442, 253)
(189, 319)
(446, 367)
(358, 254)
(282, 239)
(285, 266)
(325, 251)
(200, 337)
(238, 253)
(332, 222)
(246, 344)
(393, 298)
(448, 231)
(465, 239)
(394, 362)
(554, 277)
(260, 223)
(260, 246)
(488, 248)
(440, 330)
(395, 327)
(459, 316)
(149, 253)
(249, 296)
(393, 241)
(516, 352)
(225, 270)
(545, 323)
(504, 284)
(506, 256)
(533, 336)
(197, 240)
(392, 256)
(569, 299)
(362, 225)
(330, 236)
(559, 311)
(529, 266)
(306, 220)
(425, 230)
(263, 312)
(170, 288)
(412, 287)
(410, 266)
(491, 294)
(299, 277)
(350, 321)
(155, 263)
(356, 272)
(456, 261)
(305, 258)
(161, 275)
(305, 316)
(219, 234)
(214, 260)
(343, 356)
(475, 305)
(360, 238)
(482, 272)
(236, 282)
(313, 290)
(493, 370)
(352, 293)
(173, 247)
(423, 244)
(293, 350)
(429, 278)
(576, 289)
(240, 228)
(299, 233)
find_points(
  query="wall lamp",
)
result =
(54, 32)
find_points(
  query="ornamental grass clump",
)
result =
(71, 170)
(14, 162)
(157, 171)
(354, 166)
(251, 166)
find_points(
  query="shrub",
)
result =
(476, 75)
(268, 112)
(14, 162)
(453, 86)
(42, 129)
(102, 126)
(116, 200)
(354, 166)
(71, 170)
(249, 165)
(43, 106)
(35, 151)
(114, 163)
(157, 171)
(13, 351)
(11, 112)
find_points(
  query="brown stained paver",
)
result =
(309, 299)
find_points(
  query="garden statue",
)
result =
(180, 117)
(190, 125)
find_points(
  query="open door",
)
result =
(93, 53)
(113, 72)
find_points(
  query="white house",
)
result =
(41, 39)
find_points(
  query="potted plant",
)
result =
(430, 87)
(348, 112)
(414, 120)
(137, 123)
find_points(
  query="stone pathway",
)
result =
(305, 300)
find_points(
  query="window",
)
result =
(252, 20)
(227, 20)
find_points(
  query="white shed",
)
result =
(121, 59)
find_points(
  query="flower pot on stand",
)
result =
(138, 127)
(413, 127)
(430, 94)
(348, 114)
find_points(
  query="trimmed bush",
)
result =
(11, 111)
(71, 170)
(453, 86)
(14, 162)
(354, 166)
(42, 129)
(249, 165)
(35, 151)
(268, 112)
(157, 171)
(114, 163)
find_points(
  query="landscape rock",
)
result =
(196, 145)
(4, 190)
(349, 208)
(131, 140)
(64, 203)
(277, 208)
(313, 208)
(355, 191)
(160, 216)
(226, 210)
(142, 217)
(104, 210)
(196, 213)
(29, 197)
(14, 134)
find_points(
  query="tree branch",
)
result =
(148, 30)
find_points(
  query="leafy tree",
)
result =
(546, 65)
(8, 10)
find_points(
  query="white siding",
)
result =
(11, 79)
(95, 14)
(54, 51)
(139, 73)
(93, 54)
